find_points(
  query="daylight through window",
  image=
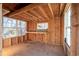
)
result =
(13, 27)
(67, 27)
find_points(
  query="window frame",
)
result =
(67, 17)
(44, 24)
(16, 28)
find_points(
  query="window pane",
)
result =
(67, 25)
(13, 33)
(69, 16)
(6, 32)
(19, 23)
(13, 22)
(19, 32)
(23, 24)
(23, 31)
(45, 25)
(68, 36)
(6, 22)
(10, 28)
(9, 32)
(42, 26)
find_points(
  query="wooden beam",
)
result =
(50, 7)
(4, 11)
(62, 7)
(24, 16)
(37, 15)
(43, 12)
(21, 17)
(27, 8)
(31, 17)
(35, 18)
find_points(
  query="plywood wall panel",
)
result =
(62, 30)
(25, 38)
(14, 41)
(54, 31)
(73, 49)
(6, 42)
(51, 31)
(57, 30)
(31, 36)
(75, 30)
(39, 37)
(45, 38)
(31, 26)
(20, 39)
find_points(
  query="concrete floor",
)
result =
(33, 49)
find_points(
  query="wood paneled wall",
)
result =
(73, 50)
(52, 35)
(31, 26)
(13, 41)
(54, 31)
(62, 29)
(36, 36)
(75, 30)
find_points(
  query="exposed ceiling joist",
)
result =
(29, 7)
(35, 18)
(31, 17)
(26, 8)
(33, 12)
(43, 12)
(49, 5)
(22, 17)
(62, 7)
(38, 12)
(4, 11)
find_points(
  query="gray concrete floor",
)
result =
(33, 49)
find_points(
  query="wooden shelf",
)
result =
(38, 32)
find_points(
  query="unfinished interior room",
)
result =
(40, 29)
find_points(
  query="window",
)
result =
(13, 27)
(42, 26)
(67, 27)
(22, 27)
